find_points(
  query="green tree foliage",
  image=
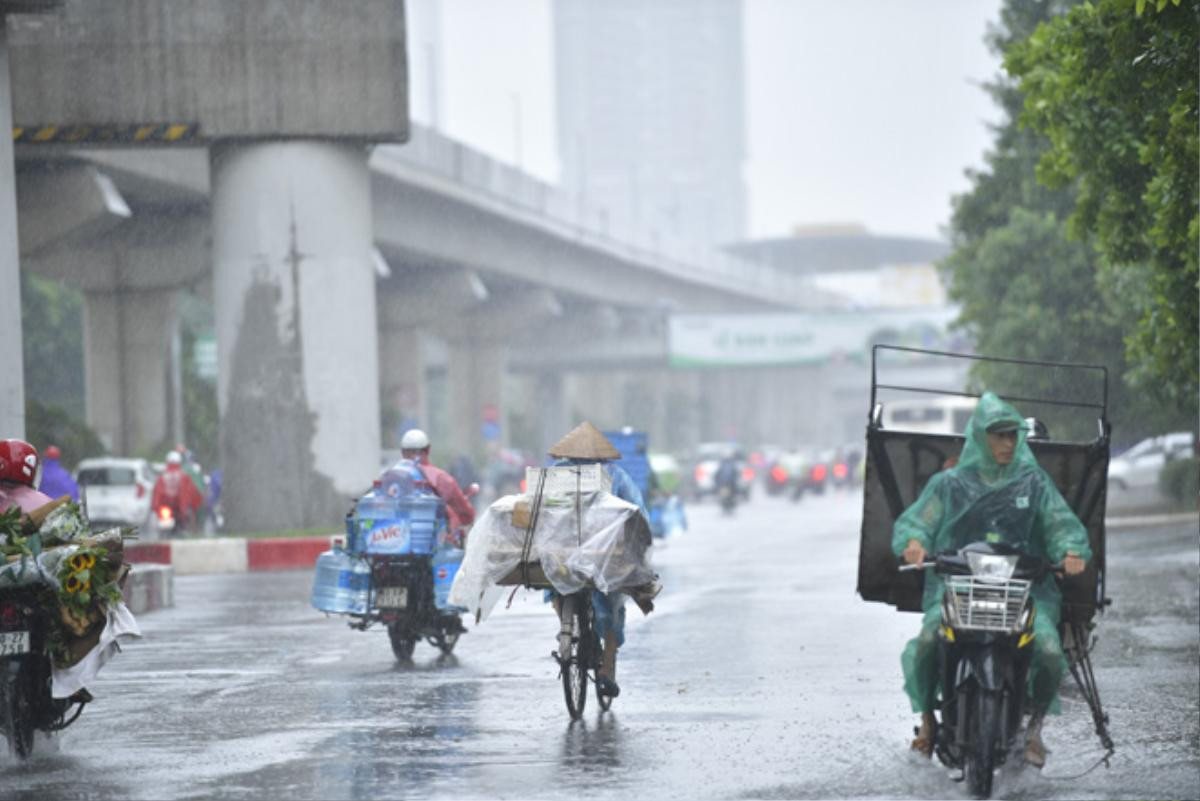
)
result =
(46, 424)
(1113, 86)
(201, 420)
(52, 344)
(1027, 287)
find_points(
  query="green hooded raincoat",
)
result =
(981, 500)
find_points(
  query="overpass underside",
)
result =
(355, 290)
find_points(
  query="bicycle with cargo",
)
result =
(573, 536)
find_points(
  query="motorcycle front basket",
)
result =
(979, 604)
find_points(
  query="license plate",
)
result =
(392, 597)
(14, 642)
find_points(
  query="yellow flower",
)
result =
(73, 583)
(78, 561)
(91, 561)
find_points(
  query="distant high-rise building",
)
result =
(650, 112)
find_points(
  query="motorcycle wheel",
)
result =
(574, 663)
(18, 715)
(403, 642)
(985, 731)
(446, 642)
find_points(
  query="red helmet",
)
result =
(18, 461)
(52, 452)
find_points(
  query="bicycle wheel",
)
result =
(574, 663)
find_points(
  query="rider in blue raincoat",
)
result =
(586, 445)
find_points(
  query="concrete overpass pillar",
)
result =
(294, 294)
(476, 383)
(402, 381)
(12, 371)
(550, 406)
(131, 367)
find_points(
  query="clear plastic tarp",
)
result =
(591, 540)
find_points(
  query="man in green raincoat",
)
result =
(996, 492)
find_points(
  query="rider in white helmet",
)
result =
(414, 445)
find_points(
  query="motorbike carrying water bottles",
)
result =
(396, 567)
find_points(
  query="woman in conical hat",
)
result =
(584, 444)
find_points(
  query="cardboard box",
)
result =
(568, 479)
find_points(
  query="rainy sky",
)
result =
(861, 111)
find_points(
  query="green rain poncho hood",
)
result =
(981, 500)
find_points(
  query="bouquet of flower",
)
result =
(86, 584)
(80, 572)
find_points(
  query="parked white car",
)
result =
(1139, 466)
(116, 491)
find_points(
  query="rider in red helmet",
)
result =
(19, 472)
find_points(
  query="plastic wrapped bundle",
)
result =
(588, 540)
(40, 569)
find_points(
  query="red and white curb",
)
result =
(231, 554)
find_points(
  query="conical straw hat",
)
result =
(584, 442)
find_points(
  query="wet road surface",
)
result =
(760, 675)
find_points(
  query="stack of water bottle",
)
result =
(399, 516)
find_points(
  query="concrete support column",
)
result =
(131, 367)
(550, 404)
(12, 371)
(294, 294)
(596, 396)
(476, 382)
(401, 382)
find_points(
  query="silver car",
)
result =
(1139, 466)
(116, 491)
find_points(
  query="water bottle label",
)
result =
(388, 537)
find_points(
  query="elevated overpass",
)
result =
(344, 274)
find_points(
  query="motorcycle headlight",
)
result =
(986, 565)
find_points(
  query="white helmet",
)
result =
(174, 458)
(414, 439)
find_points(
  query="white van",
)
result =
(937, 414)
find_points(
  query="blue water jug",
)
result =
(342, 583)
(446, 562)
(379, 524)
(402, 479)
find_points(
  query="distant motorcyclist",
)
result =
(196, 473)
(464, 472)
(19, 467)
(725, 481)
(176, 490)
(996, 492)
(415, 445)
(56, 481)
